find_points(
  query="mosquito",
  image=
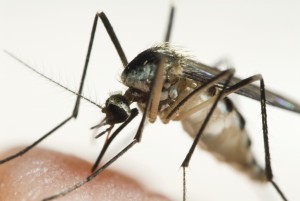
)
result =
(168, 84)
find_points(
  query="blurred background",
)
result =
(257, 36)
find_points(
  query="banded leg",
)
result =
(74, 114)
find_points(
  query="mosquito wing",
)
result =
(203, 73)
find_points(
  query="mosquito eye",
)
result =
(116, 114)
(117, 109)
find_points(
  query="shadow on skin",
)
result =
(41, 173)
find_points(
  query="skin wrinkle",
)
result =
(41, 173)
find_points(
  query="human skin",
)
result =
(41, 173)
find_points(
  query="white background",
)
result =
(258, 36)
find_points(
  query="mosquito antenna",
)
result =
(49, 79)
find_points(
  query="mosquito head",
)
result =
(117, 110)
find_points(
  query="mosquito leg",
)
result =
(268, 168)
(150, 111)
(134, 113)
(151, 108)
(114, 40)
(180, 106)
(119, 49)
(187, 159)
(26, 149)
(136, 139)
(170, 24)
(112, 36)
(93, 174)
(155, 86)
(154, 98)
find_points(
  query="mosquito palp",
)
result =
(168, 84)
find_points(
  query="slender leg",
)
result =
(157, 86)
(114, 40)
(93, 174)
(170, 24)
(180, 106)
(112, 36)
(26, 149)
(187, 159)
(118, 47)
(134, 113)
(23, 151)
(137, 137)
(226, 92)
(154, 96)
(150, 111)
(74, 114)
(268, 168)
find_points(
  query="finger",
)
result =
(41, 173)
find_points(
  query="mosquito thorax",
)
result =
(117, 109)
(140, 72)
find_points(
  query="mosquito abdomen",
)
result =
(226, 138)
